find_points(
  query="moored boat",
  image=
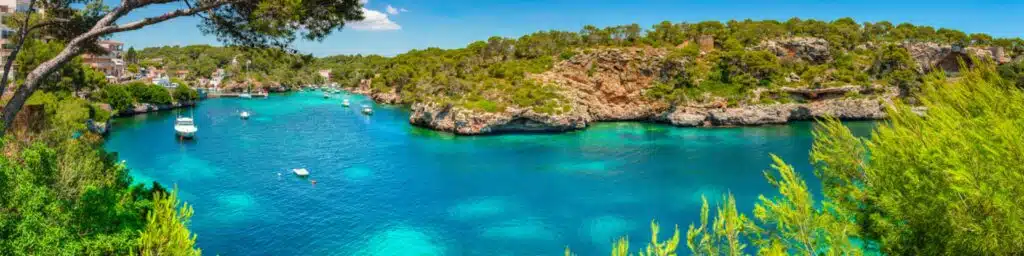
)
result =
(367, 110)
(301, 172)
(185, 127)
(345, 102)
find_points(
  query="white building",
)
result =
(8, 7)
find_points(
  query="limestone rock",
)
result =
(810, 49)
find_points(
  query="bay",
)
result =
(384, 187)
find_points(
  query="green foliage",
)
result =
(183, 93)
(166, 231)
(67, 197)
(724, 236)
(149, 93)
(796, 225)
(63, 112)
(71, 77)
(117, 96)
(654, 248)
(944, 184)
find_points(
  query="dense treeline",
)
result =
(945, 184)
(491, 74)
(262, 65)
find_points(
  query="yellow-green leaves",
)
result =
(725, 236)
(654, 248)
(795, 225)
(166, 231)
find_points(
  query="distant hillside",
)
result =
(689, 74)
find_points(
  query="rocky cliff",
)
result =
(609, 85)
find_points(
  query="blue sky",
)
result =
(417, 24)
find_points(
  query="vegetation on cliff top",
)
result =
(491, 75)
(945, 184)
(493, 72)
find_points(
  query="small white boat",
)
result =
(327, 95)
(345, 102)
(367, 110)
(245, 95)
(301, 172)
(244, 114)
(185, 127)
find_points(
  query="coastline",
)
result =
(143, 108)
(467, 122)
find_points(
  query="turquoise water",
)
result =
(386, 188)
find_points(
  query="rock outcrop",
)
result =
(609, 85)
(147, 107)
(810, 49)
(464, 121)
(933, 56)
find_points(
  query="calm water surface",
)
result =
(386, 188)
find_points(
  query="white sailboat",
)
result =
(185, 127)
(244, 114)
(367, 110)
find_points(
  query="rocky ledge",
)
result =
(609, 85)
(147, 107)
(468, 122)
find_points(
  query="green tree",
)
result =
(131, 56)
(944, 184)
(166, 231)
(250, 23)
(117, 96)
(183, 93)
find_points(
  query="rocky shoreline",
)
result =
(468, 122)
(143, 108)
(462, 121)
(609, 84)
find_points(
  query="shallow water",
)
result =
(386, 188)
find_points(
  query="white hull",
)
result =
(245, 95)
(185, 132)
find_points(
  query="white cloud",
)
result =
(374, 21)
(364, 2)
(395, 11)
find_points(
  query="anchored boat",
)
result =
(244, 114)
(301, 172)
(367, 110)
(185, 127)
(345, 102)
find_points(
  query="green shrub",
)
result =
(149, 93)
(182, 94)
(567, 54)
(117, 96)
(484, 105)
(99, 114)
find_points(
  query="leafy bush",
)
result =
(149, 93)
(183, 93)
(117, 96)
